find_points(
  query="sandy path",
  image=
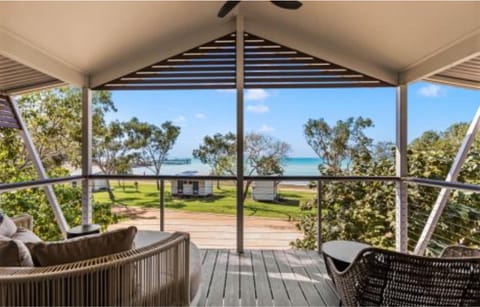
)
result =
(213, 230)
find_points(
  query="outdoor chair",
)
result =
(379, 277)
(164, 272)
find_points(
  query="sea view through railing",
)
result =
(294, 166)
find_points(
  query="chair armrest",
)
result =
(459, 251)
(24, 221)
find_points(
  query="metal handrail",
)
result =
(9, 187)
(443, 184)
(259, 178)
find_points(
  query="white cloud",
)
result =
(179, 120)
(258, 108)
(256, 94)
(431, 90)
(266, 128)
(200, 116)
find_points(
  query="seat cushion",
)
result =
(7, 226)
(14, 253)
(82, 248)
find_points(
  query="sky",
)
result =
(282, 113)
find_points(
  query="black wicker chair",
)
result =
(380, 277)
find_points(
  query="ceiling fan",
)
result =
(230, 4)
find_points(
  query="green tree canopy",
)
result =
(151, 143)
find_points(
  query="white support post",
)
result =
(86, 155)
(401, 192)
(442, 198)
(240, 134)
(37, 163)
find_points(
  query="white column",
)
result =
(42, 174)
(401, 192)
(442, 198)
(86, 155)
(240, 134)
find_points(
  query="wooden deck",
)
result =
(265, 278)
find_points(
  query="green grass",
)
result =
(223, 201)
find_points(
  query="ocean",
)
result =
(297, 166)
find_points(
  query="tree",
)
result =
(264, 155)
(218, 152)
(364, 211)
(337, 145)
(53, 119)
(151, 142)
(110, 152)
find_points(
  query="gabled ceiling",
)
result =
(101, 41)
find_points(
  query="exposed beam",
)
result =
(309, 45)
(27, 54)
(38, 165)
(401, 191)
(160, 52)
(462, 50)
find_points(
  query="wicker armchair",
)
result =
(157, 274)
(379, 277)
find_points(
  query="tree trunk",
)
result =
(110, 192)
(158, 185)
(245, 192)
(218, 184)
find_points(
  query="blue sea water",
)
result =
(295, 166)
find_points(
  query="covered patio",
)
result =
(185, 46)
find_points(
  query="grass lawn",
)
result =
(223, 201)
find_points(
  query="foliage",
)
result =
(264, 155)
(33, 201)
(364, 211)
(53, 119)
(218, 151)
(152, 143)
(339, 144)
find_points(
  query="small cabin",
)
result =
(265, 190)
(98, 185)
(191, 187)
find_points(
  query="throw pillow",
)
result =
(14, 253)
(26, 236)
(7, 227)
(83, 248)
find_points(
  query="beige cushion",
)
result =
(7, 226)
(14, 253)
(83, 248)
(26, 236)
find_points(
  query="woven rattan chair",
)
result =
(157, 274)
(379, 277)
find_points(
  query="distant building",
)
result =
(191, 187)
(265, 190)
(97, 184)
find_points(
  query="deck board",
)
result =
(232, 284)
(247, 283)
(262, 283)
(265, 278)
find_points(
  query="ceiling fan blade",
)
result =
(289, 5)
(227, 7)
